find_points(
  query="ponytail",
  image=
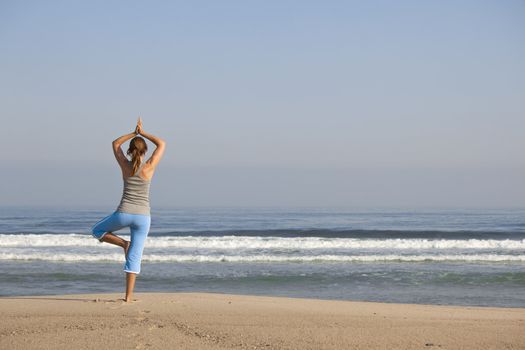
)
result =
(135, 160)
(137, 148)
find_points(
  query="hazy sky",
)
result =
(266, 103)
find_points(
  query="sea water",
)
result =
(457, 257)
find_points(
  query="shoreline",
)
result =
(232, 321)
(73, 295)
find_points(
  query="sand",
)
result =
(222, 321)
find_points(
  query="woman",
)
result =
(133, 210)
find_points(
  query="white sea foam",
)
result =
(78, 247)
(287, 243)
(265, 258)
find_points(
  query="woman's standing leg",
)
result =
(139, 231)
(130, 285)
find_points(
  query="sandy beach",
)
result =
(223, 321)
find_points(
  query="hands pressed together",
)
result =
(138, 128)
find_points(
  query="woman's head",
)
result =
(137, 148)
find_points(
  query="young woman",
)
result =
(134, 209)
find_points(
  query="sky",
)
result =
(361, 104)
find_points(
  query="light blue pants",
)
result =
(139, 228)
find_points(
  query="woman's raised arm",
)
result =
(156, 140)
(119, 141)
(117, 151)
(159, 151)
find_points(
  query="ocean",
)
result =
(451, 257)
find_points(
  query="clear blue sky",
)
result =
(267, 103)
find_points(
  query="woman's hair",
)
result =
(137, 148)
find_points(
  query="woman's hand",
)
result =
(138, 128)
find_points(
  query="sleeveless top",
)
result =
(135, 196)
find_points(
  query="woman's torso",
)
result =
(135, 194)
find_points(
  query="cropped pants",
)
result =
(139, 228)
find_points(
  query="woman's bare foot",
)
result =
(129, 300)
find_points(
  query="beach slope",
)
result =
(222, 321)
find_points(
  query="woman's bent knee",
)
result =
(98, 233)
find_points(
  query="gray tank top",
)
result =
(135, 196)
